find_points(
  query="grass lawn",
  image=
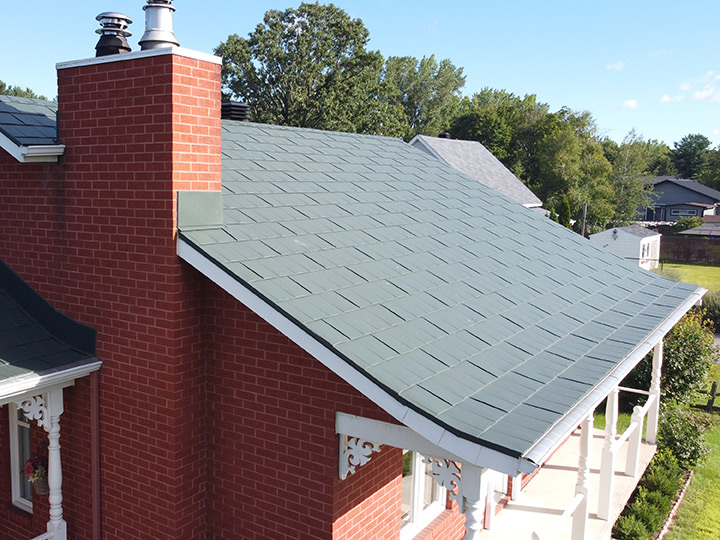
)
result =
(699, 514)
(697, 274)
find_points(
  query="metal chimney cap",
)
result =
(158, 25)
(113, 23)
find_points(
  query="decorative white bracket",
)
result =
(448, 475)
(35, 409)
(354, 452)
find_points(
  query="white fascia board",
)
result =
(32, 154)
(406, 438)
(562, 429)
(33, 384)
(433, 433)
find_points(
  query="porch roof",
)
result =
(469, 315)
(39, 347)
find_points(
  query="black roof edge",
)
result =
(75, 334)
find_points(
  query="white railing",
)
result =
(568, 513)
(632, 435)
(46, 536)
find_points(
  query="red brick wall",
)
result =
(272, 448)
(95, 236)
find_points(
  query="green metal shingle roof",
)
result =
(482, 315)
(34, 338)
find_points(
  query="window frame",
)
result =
(422, 517)
(20, 486)
(682, 212)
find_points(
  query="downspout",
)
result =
(95, 454)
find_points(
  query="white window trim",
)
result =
(683, 212)
(419, 517)
(15, 461)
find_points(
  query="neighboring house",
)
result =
(676, 198)
(633, 243)
(476, 161)
(279, 323)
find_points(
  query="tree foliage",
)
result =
(427, 91)
(18, 91)
(690, 154)
(306, 67)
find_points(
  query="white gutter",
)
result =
(433, 433)
(32, 384)
(41, 153)
(557, 434)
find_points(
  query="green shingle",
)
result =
(467, 307)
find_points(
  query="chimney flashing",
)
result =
(179, 51)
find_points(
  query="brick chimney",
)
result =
(142, 125)
(139, 127)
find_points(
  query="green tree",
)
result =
(307, 67)
(690, 155)
(18, 92)
(507, 125)
(630, 169)
(710, 174)
(427, 91)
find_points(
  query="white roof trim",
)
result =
(32, 154)
(420, 140)
(32, 384)
(188, 53)
(450, 443)
(554, 437)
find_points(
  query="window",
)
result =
(19, 454)
(680, 212)
(423, 499)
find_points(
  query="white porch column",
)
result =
(607, 464)
(654, 412)
(55, 408)
(580, 517)
(472, 484)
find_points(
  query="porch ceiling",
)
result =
(39, 347)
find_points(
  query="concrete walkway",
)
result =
(547, 495)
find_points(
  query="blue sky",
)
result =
(649, 65)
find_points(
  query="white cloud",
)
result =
(630, 104)
(617, 66)
(667, 98)
(705, 88)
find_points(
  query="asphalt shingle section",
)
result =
(473, 159)
(484, 316)
(34, 338)
(28, 122)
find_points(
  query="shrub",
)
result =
(663, 475)
(711, 304)
(681, 431)
(630, 527)
(689, 351)
(651, 508)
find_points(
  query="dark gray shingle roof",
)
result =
(476, 161)
(28, 122)
(34, 338)
(482, 315)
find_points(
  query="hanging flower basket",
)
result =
(35, 471)
(41, 487)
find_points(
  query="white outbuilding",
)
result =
(633, 242)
